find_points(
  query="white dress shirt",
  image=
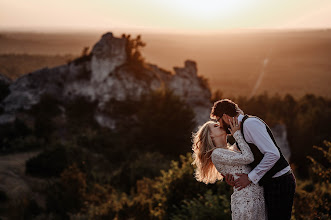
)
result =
(256, 132)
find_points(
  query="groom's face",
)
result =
(223, 122)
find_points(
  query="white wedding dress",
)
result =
(247, 203)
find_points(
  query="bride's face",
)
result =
(224, 122)
(216, 131)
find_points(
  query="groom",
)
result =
(269, 168)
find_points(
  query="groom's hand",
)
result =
(242, 181)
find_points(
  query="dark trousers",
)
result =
(279, 194)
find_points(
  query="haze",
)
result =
(169, 16)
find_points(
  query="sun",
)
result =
(208, 9)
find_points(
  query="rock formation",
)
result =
(104, 75)
(5, 80)
(280, 133)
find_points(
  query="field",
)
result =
(242, 63)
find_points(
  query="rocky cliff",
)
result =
(280, 133)
(102, 75)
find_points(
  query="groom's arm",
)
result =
(255, 132)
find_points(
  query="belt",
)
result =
(285, 174)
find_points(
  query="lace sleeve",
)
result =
(244, 148)
(225, 156)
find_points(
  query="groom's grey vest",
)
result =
(279, 165)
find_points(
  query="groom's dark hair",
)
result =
(224, 106)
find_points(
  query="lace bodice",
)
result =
(229, 161)
(247, 203)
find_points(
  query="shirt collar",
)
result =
(240, 117)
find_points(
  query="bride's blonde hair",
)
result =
(203, 146)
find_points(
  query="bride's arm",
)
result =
(230, 157)
(244, 148)
(223, 156)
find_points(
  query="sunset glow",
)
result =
(170, 15)
(208, 9)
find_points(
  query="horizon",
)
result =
(156, 32)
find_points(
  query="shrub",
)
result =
(137, 167)
(165, 195)
(16, 137)
(23, 207)
(132, 48)
(313, 197)
(207, 206)
(49, 163)
(68, 194)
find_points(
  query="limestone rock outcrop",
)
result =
(280, 133)
(5, 80)
(103, 75)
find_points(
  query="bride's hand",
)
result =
(234, 125)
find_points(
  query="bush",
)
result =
(32, 210)
(137, 167)
(68, 194)
(23, 207)
(132, 49)
(207, 206)
(49, 163)
(176, 187)
(171, 195)
(17, 137)
(313, 197)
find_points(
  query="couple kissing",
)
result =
(262, 179)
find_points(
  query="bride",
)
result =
(214, 158)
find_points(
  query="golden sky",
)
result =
(163, 15)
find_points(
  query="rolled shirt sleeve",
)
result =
(255, 132)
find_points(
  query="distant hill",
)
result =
(15, 65)
(295, 62)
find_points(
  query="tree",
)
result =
(132, 48)
(166, 123)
